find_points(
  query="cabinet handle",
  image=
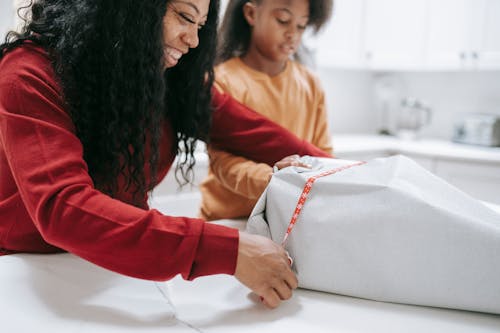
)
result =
(463, 55)
(475, 55)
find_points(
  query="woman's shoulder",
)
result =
(26, 63)
(24, 56)
(28, 85)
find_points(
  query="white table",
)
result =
(63, 293)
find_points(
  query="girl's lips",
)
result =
(288, 49)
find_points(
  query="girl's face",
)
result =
(181, 23)
(277, 26)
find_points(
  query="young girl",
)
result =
(95, 98)
(258, 38)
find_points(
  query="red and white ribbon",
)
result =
(305, 192)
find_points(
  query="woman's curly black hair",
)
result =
(108, 56)
(235, 32)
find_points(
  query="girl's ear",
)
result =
(249, 10)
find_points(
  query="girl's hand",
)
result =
(292, 160)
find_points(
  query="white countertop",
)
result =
(63, 293)
(388, 145)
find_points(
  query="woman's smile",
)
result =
(172, 56)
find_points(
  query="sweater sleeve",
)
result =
(244, 177)
(244, 132)
(45, 159)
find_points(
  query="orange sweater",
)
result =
(294, 99)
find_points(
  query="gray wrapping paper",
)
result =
(387, 230)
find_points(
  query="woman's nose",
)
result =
(190, 36)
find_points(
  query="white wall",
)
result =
(6, 17)
(452, 94)
(353, 106)
(349, 100)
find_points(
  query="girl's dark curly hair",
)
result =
(235, 32)
(108, 55)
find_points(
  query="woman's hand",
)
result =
(264, 267)
(292, 160)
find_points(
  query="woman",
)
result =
(95, 99)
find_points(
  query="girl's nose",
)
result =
(292, 33)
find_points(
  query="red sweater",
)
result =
(48, 202)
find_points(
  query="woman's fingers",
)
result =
(263, 266)
(283, 290)
(271, 298)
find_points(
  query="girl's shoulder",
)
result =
(233, 75)
(301, 69)
(302, 72)
(231, 67)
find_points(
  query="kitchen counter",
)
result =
(388, 145)
(63, 293)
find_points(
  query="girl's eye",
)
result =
(301, 27)
(282, 22)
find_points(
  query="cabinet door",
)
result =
(339, 43)
(454, 27)
(488, 54)
(480, 180)
(395, 33)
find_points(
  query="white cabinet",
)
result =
(463, 34)
(412, 35)
(454, 28)
(480, 180)
(395, 33)
(488, 55)
(375, 34)
(339, 43)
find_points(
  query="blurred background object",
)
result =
(478, 129)
(412, 117)
(387, 92)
